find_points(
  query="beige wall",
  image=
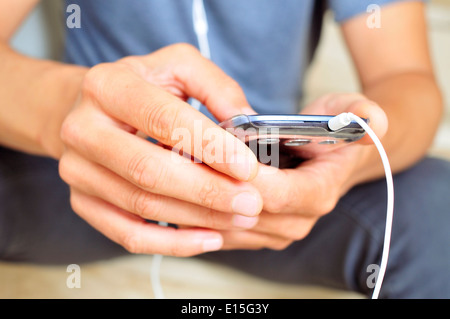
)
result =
(333, 70)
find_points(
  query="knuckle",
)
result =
(324, 206)
(295, 234)
(299, 233)
(69, 170)
(160, 120)
(95, 78)
(208, 193)
(74, 203)
(70, 131)
(77, 203)
(131, 242)
(145, 204)
(138, 202)
(231, 87)
(281, 244)
(184, 48)
(137, 170)
(132, 62)
(324, 200)
(64, 169)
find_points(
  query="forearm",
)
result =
(36, 95)
(413, 105)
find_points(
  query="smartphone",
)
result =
(285, 141)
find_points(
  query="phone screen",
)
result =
(285, 141)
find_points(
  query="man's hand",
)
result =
(119, 180)
(395, 70)
(294, 199)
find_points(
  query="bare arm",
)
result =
(36, 94)
(396, 71)
(12, 13)
(88, 120)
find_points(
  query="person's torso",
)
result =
(264, 45)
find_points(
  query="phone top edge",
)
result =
(280, 120)
(284, 119)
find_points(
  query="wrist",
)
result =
(48, 137)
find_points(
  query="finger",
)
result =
(358, 104)
(169, 120)
(140, 237)
(251, 240)
(275, 231)
(310, 190)
(290, 226)
(199, 78)
(100, 182)
(163, 172)
(367, 109)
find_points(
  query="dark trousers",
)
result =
(37, 225)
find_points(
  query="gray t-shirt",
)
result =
(265, 45)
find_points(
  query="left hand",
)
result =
(294, 199)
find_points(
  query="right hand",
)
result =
(119, 180)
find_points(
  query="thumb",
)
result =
(358, 104)
(377, 118)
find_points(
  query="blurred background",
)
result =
(333, 63)
(332, 70)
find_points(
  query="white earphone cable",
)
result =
(201, 27)
(343, 120)
(155, 272)
(201, 30)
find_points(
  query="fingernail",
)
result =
(212, 244)
(246, 204)
(242, 167)
(244, 221)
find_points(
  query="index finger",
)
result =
(141, 237)
(126, 96)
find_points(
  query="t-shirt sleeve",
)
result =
(346, 9)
